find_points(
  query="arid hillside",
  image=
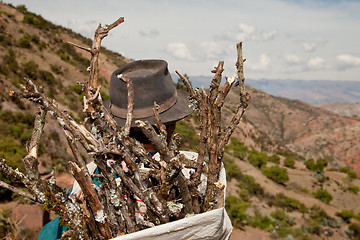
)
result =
(305, 130)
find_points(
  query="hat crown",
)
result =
(151, 82)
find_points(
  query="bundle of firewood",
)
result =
(166, 194)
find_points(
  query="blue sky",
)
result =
(306, 40)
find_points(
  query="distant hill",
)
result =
(312, 92)
(342, 108)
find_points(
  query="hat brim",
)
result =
(177, 112)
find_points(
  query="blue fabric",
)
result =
(52, 230)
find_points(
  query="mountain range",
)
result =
(309, 91)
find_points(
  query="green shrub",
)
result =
(22, 8)
(13, 151)
(189, 139)
(319, 165)
(236, 148)
(67, 53)
(257, 159)
(6, 39)
(350, 173)
(38, 21)
(283, 223)
(354, 189)
(248, 187)
(31, 69)
(10, 61)
(63, 56)
(346, 215)
(263, 222)
(5, 222)
(276, 173)
(323, 196)
(289, 162)
(76, 89)
(232, 171)
(56, 69)
(274, 158)
(104, 96)
(17, 129)
(355, 228)
(236, 209)
(46, 76)
(317, 213)
(54, 136)
(24, 42)
(287, 203)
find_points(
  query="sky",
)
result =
(282, 39)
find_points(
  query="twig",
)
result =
(18, 191)
(100, 33)
(91, 198)
(130, 106)
(81, 47)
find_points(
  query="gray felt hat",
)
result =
(151, 82)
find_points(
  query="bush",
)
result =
(189, 138)
(287, 203)
(248, 187)
(323, 196)
(263, 222)
(274, 158)
(12, 151)
(319, 165)
(76, 89)
(350, 173)
(56, 69)
(46, 76)
(236, 209)
(276, 173)
(232, 171)
(31, 69)
(317, 213)
(24, 42)
(104, 96)
(67, 53)
(5, 222)
(257, 159)
(354, 189)
(236, 148)
(346, 215)
(355, 228)
(10, 61)
(289, 162)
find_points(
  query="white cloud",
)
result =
(292, 59)
(246, 32)
(311, 46)
(348, 61)
(212, 50)
(316, 63)
(151, 34)
(179, 50)
(262, 64)
(268, 35)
